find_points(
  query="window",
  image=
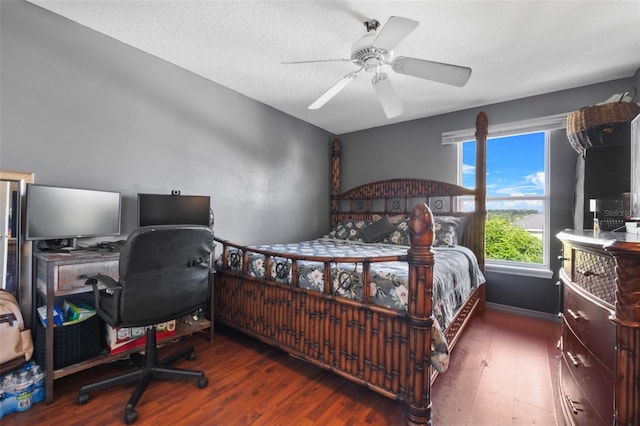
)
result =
(517, 203)
(517, 191)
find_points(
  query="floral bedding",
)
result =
(456, 272)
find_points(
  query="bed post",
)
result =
(335, 181)
(482, 124)
(419, 307)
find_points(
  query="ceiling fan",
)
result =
(374, 50)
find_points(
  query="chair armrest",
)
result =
(102, 281)
(105, 284)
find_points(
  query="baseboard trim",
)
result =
(545, 316)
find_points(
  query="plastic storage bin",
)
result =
(71, 343)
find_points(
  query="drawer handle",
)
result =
(585, 272)
(572, 405)
(574, 359)
(575, 315)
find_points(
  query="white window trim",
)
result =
(542, 124)
(526, 271)
(547, 200)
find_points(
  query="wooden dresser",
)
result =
(600, 368)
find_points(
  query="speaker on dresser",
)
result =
(602, 172)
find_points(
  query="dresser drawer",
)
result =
(602, 268)
(593, 379)
(575, 406)
(595, 273)
(589, 320)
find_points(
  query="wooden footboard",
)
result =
(362, 343)
(383, 349)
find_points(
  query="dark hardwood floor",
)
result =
(503, 372)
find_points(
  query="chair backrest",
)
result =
(164, 273)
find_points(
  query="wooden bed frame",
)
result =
(383, 349)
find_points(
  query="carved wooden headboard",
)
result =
(399, 196)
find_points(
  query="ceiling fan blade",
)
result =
(437, 71)
(393, 32)
(313, 61)
(334, 90)
(387, 95)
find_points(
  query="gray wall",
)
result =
(414, 149)
(82, 109)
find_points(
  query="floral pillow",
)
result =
(400, 235)
(448, 230)
(348, 230)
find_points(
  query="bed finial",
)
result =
(421, 226)
(482, 123)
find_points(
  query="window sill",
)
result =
(519, 270)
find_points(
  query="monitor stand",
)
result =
(67, 249)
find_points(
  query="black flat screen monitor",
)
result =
(55, 212)
(165, 209)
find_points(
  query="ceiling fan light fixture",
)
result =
(372, 65)
(375, 49)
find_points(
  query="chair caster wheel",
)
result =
(83, 398)
(191, 356)
(130, 416)
(203, 382)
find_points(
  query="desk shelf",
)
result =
(182, 330)
(58, 274)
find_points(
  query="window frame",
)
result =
(537, 125)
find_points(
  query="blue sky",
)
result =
(515, 167)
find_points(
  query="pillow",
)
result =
(400, 235)
(397, 218)
(448, 230)
(377, 230)
(348, 230)
(394, 219)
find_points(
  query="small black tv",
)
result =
(166, 209)
(56, 213)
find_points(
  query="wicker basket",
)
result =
(600, 124)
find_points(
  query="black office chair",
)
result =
(164, 274)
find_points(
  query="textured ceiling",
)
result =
(515, 48)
